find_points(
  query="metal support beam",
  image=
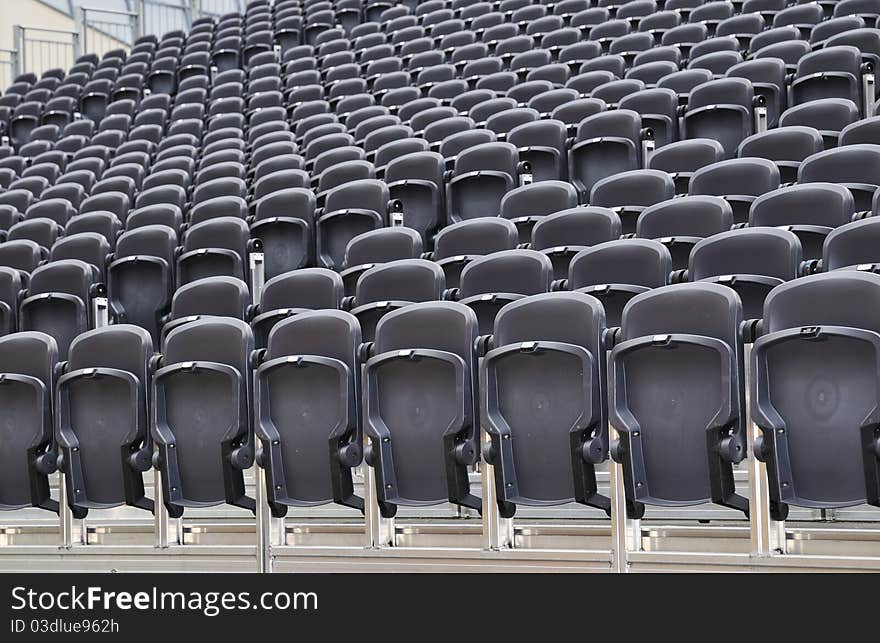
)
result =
(100, 311)
(379, 531)
(497, 531)
(626, 533)
(759, 500)
(868, 93)
(160, 516)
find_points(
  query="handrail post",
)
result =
(18, 45)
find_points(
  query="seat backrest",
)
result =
(690, 216)
(538, 199)
(636, 187)
(212, 296)
(748, 176)
(412, 280)
(314, 288)
(475, 237)
(523, 272)
(756, 251)
(579, 226)
(638, 262)
(822, 204)
(383, 244)
(724, 91)
(837, 298)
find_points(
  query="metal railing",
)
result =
(160, 17)
(104, 29)
(9, 67)
(40, 48)
(214, 8)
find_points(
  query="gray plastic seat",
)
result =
(90, 247)
(482, 175)
(830, 72)
(395, 284)
(547, 346)
(721, 110)
(350, 209)
(828, 115)
(681, 159)
(324, 374)
(699, 383)
(658, 108)
(375, 247)
(489, 282)
(852, 246)
(202, 426)
(680, 223)
(424, 363)
(460, 243)
(751, 261)
(284, 221)
(103, 431)
(291, 293)
(213, 248)
(526, 205)
(606, 144)
(416, 181)
(616, 271)
(562, 235)
(542, 144)
(140, 279)
(854, 166)
(820, 342)
(27, 363)
(785, 146)
(738, 181)
(59, 301)
(810, 211)
(628, 193)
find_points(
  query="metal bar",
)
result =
(160, 512)
(647, 150)
(759, 500)
(263, 516)
(497, 531)
(65, 515)
(379, 531)
(626, 533)
(81, 25)
(258, 275)
(100, 312)
(760, 119)
(18, 43)
(264, 523)
(868, 95)
(115, 12)
(48, 30)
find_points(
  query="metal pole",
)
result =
(263, 516)
(264, 524)
(759, 500)
(65, 515)
(100, 312)
(142, 17)
(868, 95)
(160, 512)
(18, 45)
(626, 533)
(497, 531)
(81, 19)
(13, 61)
(379, 531)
